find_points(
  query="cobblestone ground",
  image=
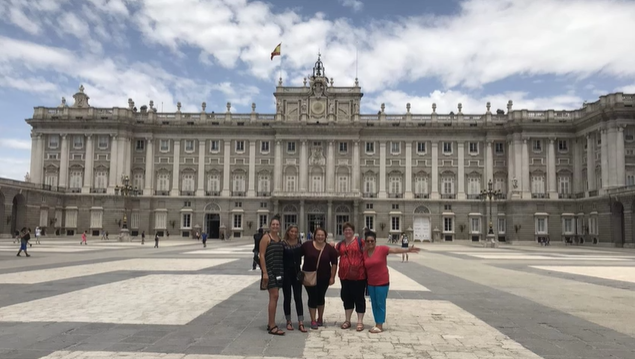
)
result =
(183, 301)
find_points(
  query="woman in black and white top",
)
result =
(404, 244)
(271, 263)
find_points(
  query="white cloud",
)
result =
(356, 5)
(14, 168)
(15, 144)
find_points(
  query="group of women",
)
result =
(362, 268)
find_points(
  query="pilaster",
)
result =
(112, 168)
(590, 162)
(304, 170)
(460, 149)
(435, 170)
(89, 158)
(302, 218)
(149, 176)
(612, 154)
(382, 170)
(511, 172)
(330, 168)
(277, 168)
(551, 170)
(226, 192)
(619, 156)
(176, 168)
(251, 191)
(356, 167)
(200, 181)
(63, 182)
(489, 162)
(605, 159)
(525, 170)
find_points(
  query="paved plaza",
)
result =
(182, 301)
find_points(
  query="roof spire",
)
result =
(318, 69)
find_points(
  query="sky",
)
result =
(541, 54)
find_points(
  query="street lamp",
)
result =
(491, 194)
(126, 190)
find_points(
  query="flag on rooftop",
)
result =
(276, 51)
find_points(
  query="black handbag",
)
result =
(300, 276)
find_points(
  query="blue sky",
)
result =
(542, 54)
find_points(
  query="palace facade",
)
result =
(562, 175)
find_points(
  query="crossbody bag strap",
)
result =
(320, 256)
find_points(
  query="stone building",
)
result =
(562, 175)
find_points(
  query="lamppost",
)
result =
(126, 190)
(491, 194)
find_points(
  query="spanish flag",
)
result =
(276, 51)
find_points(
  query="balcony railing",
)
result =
(97, 190)
(238, 194)
(593, 193)
(620, 189)
(48, 187)
(161, 193)
(75, 190)
(422, 195)
(263, 194)
(579, 195)
(473, 196)
(187, 193)
(395, 195)
(538, 195)
(448, 196)
(565, 195)
(369, 195)
(212, 194)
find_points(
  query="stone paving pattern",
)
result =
(125, 300)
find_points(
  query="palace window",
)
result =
(291, 147)
(290, 182)
(342, 183)
(499, 184)
(563, 145)
(264, 146)
(370, 148)
(240, 146)
(213, 183)
(50, 179)
(448, 185)
(499, 147)
(140, 145)
(263, 220)
(54, 141)
(137, 181)
(473, 185)
(75, 179)
(263, 183)
(538, 184)
(395, 224)
(369, 184)
(214, 146)
(369, 222)
(102, 142)
(160, 220)
(395, 185)
(164, 145)
(448, 224)
(475, 225)
(502, 225)
(564, 184)
(473, 147)
(567, 225)
(395, 147)
(421, 185)
(163, 182)
(189, 146)
(78, 142)
(238, 221)
(316, 183)
(537, 146)
(186, 221)
(343, 147)
(447, 148)
(187, 182)
(239, 182)
(101, 179)
(421, 147)
(541, 225)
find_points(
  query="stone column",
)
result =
(619, 157)
(37, 155)
(518, 164)
(511, 174)
(226, 192)
(277, 167)
(149, 176)
(127, 156)
(605, 158)
(63, 182)
(176, 168)
(612, 154)
(330, 168)
(329, 220)
(200, 181)
(112, 168)
(489, 162)
(356, 167)
(121, 148)
(590, 162)
(577, 167)
(551, 170)
(525, 170)
(356, 219)
(461, 170)
(251, 191)
(301, 219)
(304, 168)
(408, 194)
(89, 159)
(435, 170)
(382, 169)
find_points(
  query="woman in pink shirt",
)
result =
(376, 264)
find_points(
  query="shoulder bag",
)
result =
(310, 277)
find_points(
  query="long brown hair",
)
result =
(286, 233)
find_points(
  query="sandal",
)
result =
(289, 326)
(360, 327)
(314, 325)
(275, 331)
(375, 330)
(346, 325)
(301, 327)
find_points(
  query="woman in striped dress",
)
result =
(271, 264)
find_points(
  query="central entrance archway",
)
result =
(421, 228)
(212, 220)
(342, 215)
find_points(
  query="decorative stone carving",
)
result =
(356, 82)
(331, 82)
(488, 106)
(383, 107)
(331, 107)
(81, 99)
(63, 104)
(317, 158)
(253, 107)
(408, 107)
(515, 183)
(304, 82)
(151, 105)
(356, 107)
(304, 107)
(130, 104)
(229, 107)
(510, 104)
(178, 106)
(27, 177)
(279, 107)
(434, 108)
(460, 107)
(318, 89)
(203, 106)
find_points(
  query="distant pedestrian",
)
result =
(167, 234)
(156, 240)
(404, 244)
(38, 234)
(204, 240)
(25, 236)
(83, 239)
(143, 237)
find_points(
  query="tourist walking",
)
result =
(271, 262)
(143, 237)
(204, 236)
(376, 264)
(404, 244)
(320, 259)
(156, 240)
(38, 234)
(290, 283)
(83, 239)
(104, 235)
(25, 236)
(352, 276)
(256, 250)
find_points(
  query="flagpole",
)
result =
(280, 71)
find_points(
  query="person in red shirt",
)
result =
(376, 264)
(352, 276)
